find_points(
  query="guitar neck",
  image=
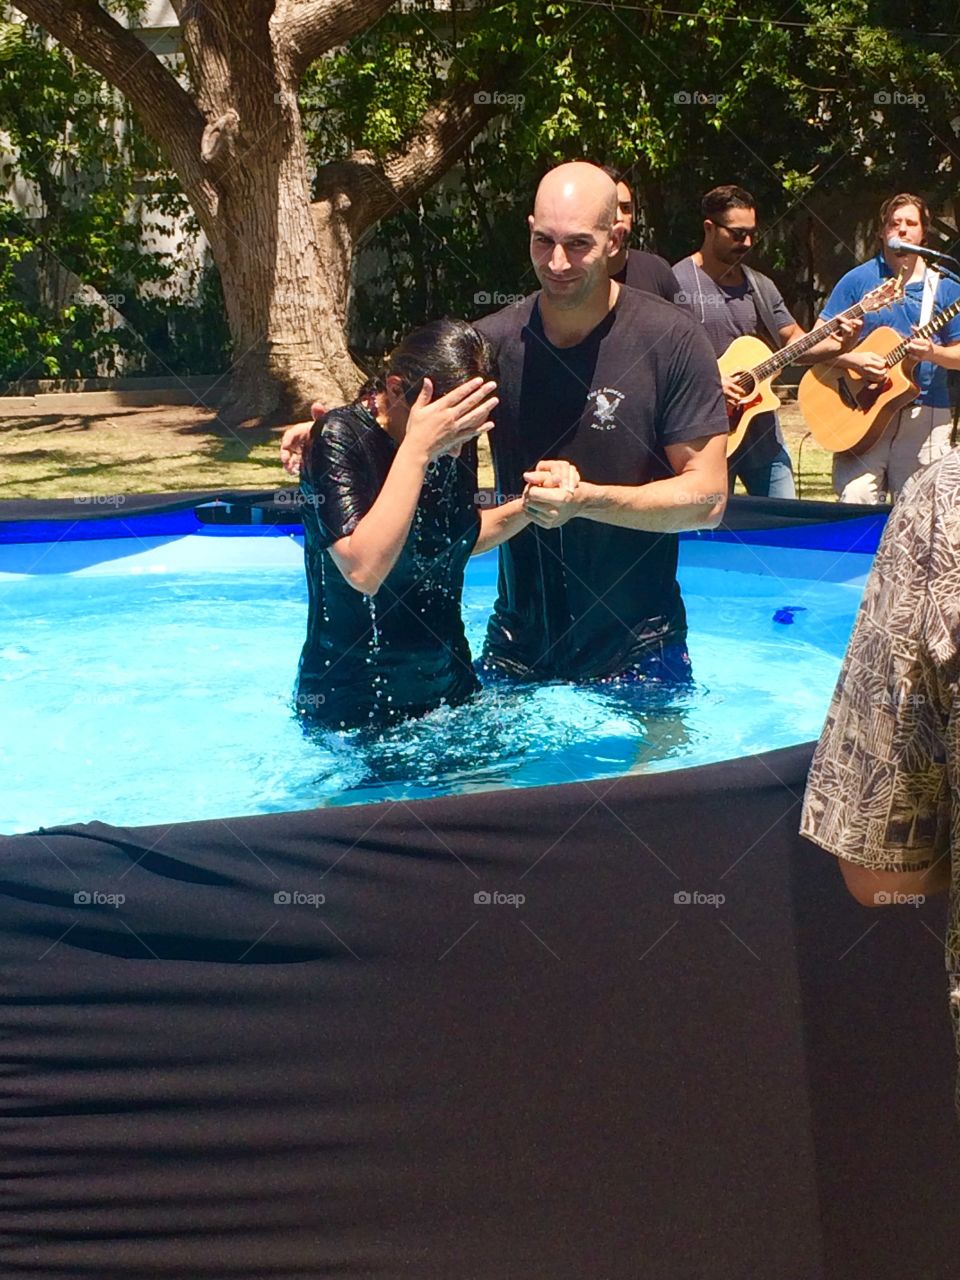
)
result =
(780, 359)
(933, 324)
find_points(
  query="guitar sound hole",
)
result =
(747, 382)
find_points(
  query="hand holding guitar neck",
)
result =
(748, 366)
(848, 405)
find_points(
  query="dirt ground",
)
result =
(84, 445)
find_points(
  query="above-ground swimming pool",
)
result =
(619, 1028)
(147, 665)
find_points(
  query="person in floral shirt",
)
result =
(883, 793)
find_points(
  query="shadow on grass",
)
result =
(49, 423)
(71, 470)
(53, 422)
(230, 444)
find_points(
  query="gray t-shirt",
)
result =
(728, 312)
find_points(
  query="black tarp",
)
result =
(205, 1081)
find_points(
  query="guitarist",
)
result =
(730, 300)
(920, 432)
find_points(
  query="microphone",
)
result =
(921, 250)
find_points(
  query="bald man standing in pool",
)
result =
(624, 385)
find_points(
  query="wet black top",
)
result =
(372, 660)
(591, 599)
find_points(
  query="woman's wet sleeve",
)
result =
(338, 485)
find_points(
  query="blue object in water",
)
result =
(785, 614)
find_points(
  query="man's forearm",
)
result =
(826, 349)
(947, 357)
(848, 360)
(662, 506)
(873, 888)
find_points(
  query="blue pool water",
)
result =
(149, 680)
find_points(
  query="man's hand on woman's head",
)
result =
(295, 437)
(291, 446)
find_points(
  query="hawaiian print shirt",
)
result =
(884, 787)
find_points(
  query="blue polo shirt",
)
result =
(902, 315)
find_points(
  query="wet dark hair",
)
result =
(448, 352)
(720, 199)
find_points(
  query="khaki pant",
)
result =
(915, 437)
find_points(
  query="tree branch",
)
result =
(167, 111)
(309, 28)
(375, 189)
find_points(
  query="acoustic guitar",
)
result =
(751, 363)
(845, 411)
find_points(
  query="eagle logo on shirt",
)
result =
(604, 403)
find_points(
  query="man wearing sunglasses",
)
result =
(730, 299)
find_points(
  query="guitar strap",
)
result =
(763, 299)
(931, 280)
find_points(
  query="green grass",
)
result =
(812, 466)
(127, 450)
(167, 448)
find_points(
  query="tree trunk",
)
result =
(285, 268)
(237, 147)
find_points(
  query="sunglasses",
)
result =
(740, 234)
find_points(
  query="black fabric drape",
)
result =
(404, 1082)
